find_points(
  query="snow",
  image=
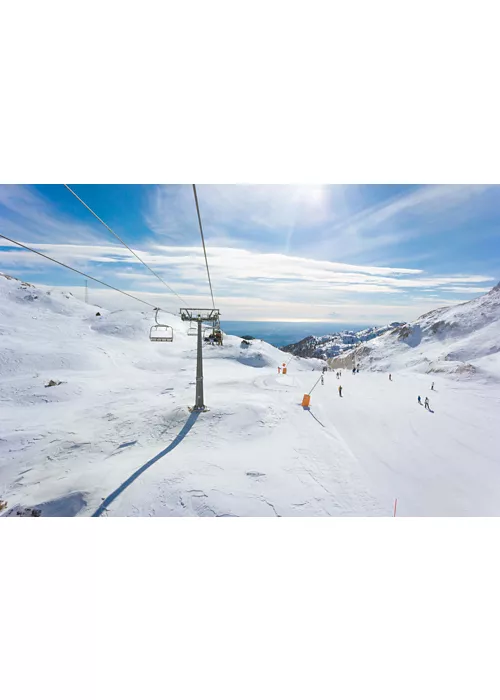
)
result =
(461, 340)
(333, 344)
(116, 437)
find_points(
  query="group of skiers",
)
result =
(426, 402)
(355, 370)
(337, 374)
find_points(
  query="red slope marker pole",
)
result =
(395, 506)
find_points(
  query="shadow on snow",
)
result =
(308, 409)
(182, 434)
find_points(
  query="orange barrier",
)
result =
(306, 400)
(283, 370)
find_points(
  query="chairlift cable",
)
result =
(73, 269)
(123, 242)
(203, 242)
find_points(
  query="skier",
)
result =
(426, 403)
(432, 386)
(419, 401)
(340, 391)
(322, 379)
(390, 377)
(279, 370)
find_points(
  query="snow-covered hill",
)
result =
(115, 437)
(461, 340)
(333, 344)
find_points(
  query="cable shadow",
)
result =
(181, 435)
(307, 408)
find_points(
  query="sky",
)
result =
(354, 254)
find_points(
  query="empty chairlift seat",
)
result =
(160, 332)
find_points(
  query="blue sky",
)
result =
(347, 253)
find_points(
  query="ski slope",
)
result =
(116, 438)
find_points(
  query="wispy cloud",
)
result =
(274, 251)
(260, 280)
(25, 212)
(270, 207)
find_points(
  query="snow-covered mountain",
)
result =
(461, 340)
(94, 420)
(333, 344)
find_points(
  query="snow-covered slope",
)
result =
(461, 340)
(116, 436)
(333, 344)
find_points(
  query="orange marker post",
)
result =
(306, 400)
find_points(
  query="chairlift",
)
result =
(160, 332)
(217, 334)
(208, 334)
(193, 329)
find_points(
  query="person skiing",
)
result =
(340, 391)
(426, 404)
(390, 377)
(419, 400)
(432, 386)
(322, 379)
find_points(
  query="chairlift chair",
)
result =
(193, 329)
(160, 332)
(208, 334)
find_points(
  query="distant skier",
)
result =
(322, 379)
(279, 370)
(357, 370)
(432, 386)
(419, 400)
(390, 377)
(354, 370)
(426, 403)
(340, 391)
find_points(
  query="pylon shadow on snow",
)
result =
(182, 434)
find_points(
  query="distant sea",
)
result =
(280, 334)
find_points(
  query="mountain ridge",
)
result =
(333, 344)
(463, 339)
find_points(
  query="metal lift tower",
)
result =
(200, 316)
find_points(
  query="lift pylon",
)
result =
(200, 316)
